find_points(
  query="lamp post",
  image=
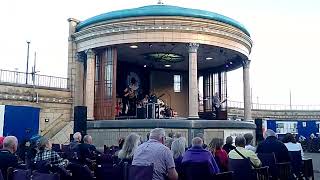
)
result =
(28, 42)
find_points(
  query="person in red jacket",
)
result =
(220, 155)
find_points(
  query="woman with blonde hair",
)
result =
(131, 143)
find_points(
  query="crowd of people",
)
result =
(167, 154)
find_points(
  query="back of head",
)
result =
(249, 138)
(197, 141)
(229, 140)
(178, 135)
(216, 143)
(77, 137)
(157, 134)
(269, 133)
(178, 148)
(43, 143)
(87, 139)
(289, 138)
(240, 141)
(171, 134)
(10, 143)
(130, 144)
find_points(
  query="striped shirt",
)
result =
(153, 152)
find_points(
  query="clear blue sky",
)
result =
(286, 35)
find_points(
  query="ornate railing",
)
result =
(287, 107)
(16, 77)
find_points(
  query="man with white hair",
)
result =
(86, 149)
(271, 144)
(155, 152)
(7, 156)
(196, 154)
(76, 141)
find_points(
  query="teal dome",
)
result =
(161, 10)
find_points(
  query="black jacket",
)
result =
(273, 145)
(7, 159)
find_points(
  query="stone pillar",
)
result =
(89, 96)
(246, 90)
(193, 81)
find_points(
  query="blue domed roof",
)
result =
(161, 10)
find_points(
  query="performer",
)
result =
(216, 104)
(131, 97)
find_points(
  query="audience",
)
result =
(292, 145)
(228, 146)
(155, 152)
(220, 155)
(198, 154)
(240, 151)
(86, 150)
(178, 149)
(46, 154)
(169, 140)
(271, 144)
(201, 135)
(131, 143)
(76, 141)
(249, 142)
(7, 156)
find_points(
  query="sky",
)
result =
(285, 33)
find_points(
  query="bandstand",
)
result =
(163, 51)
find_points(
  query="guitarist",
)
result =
(216, 104)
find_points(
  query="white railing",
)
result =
(237, 104)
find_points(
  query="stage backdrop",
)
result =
(19, 121)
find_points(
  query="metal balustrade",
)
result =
(16, 77)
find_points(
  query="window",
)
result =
(286, 127)
(177, 83)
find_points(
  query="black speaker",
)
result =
(80, 119)
(259, 130)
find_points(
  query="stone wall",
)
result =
(55, 105)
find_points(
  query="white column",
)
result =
(193, 81)
(246, 90)
(89, 97)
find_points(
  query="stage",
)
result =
(107, 132)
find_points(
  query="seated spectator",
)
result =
(7, 156)
(178, 149)
(86, 150)
(271, 144)
(201, 135)
(249, 142)
(240, 151)
(291, 143)
(169, 140)
(197, 154)
(131, 143)
(155, 152)
(220, 155)
(228, 146)
(46, 154)
(76, 141)
(1, 142)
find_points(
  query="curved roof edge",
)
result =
(161, 10)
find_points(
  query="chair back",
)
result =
(242, 169)
(262, 173)
(18, 174)
(195, 170)
(42, 166)
(269, 159)
(109, 171)
(80, 172)
(296, 162)
(43, 176)
(307, 169)
(140, 172)
(223, 176)
(56, 147)
(284, 171)
(1, 176)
